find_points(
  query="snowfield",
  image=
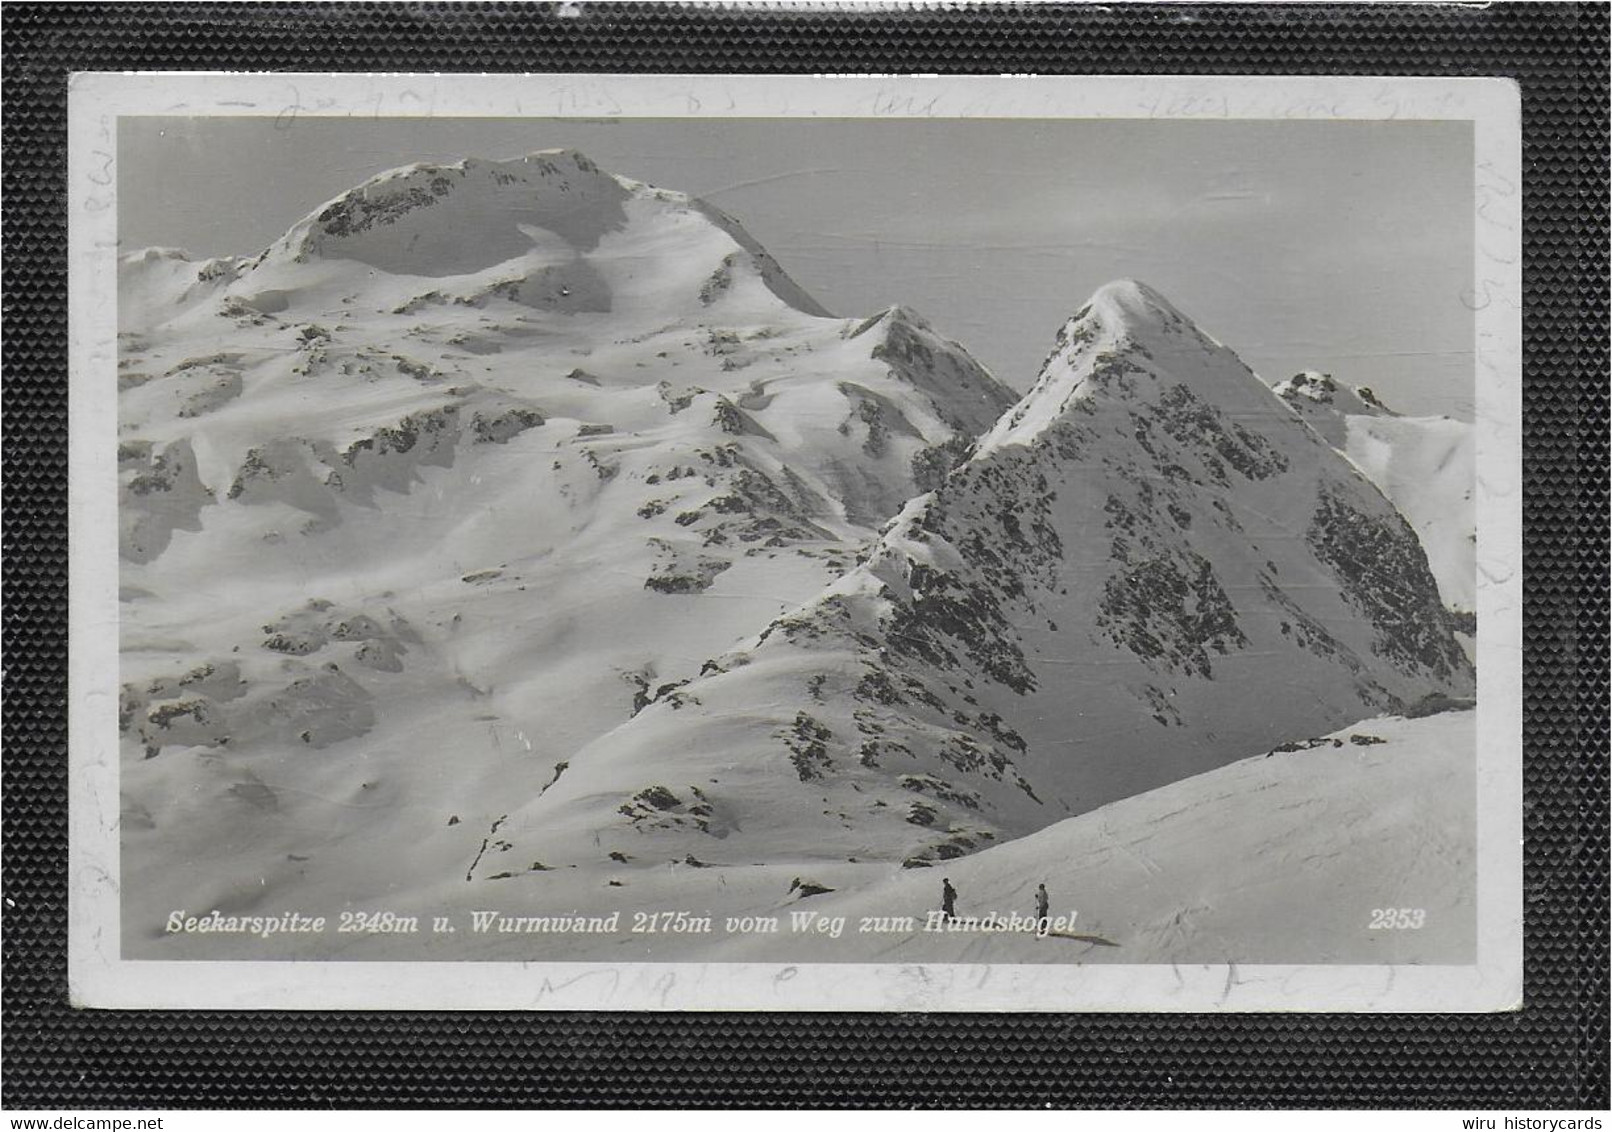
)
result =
(1278, 858)
(516, 538)
(1285, 857)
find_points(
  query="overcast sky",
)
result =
(1339, 246)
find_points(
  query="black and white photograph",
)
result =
(908, 540)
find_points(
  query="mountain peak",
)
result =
(1322, 389)
(463, 217)
(1131, 303)
(1327, 404)
(1126, 315)
(557, 153)
(549, 211)
(1129, 342)
(1082, 610)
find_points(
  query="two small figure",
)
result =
(1043, 905)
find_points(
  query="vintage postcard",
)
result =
(812, 543)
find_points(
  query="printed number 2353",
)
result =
(1396, 919)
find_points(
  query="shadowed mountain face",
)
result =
(1424, 465)
(511, 518)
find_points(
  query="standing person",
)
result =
(948, 898)
(1042, 904)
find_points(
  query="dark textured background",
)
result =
(1553, 1054)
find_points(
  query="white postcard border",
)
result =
(98, 977)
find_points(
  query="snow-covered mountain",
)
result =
(1147, 568)
(1424, 465)
(504, 446)
(515, 531)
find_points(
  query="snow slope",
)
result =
(1278, 858)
